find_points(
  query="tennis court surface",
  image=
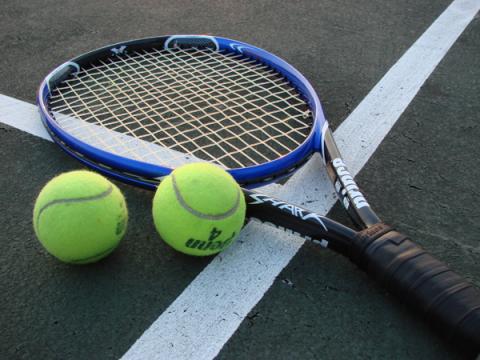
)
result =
(399, 85)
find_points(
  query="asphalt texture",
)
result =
(423, 179)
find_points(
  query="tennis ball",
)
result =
(80, 217)
(199, 209)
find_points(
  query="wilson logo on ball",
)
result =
(211, 243)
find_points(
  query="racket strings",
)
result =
(170, 106)
(201, 119)
(229, 139)
(240, 103)
(146, 93)
(142, 73)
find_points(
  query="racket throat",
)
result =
(350, 195)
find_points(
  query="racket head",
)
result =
(251, 175)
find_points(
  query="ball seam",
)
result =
(199, 214)
(82, 199)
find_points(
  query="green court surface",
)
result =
(423, 179)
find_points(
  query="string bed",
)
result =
(169, 107)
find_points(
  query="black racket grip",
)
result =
(445, 299)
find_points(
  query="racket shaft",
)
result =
(348, 192)
(298, 220)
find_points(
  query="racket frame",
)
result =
(248, 176)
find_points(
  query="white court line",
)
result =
(202, 319)
(23, 116)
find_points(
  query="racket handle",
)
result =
(449, 303)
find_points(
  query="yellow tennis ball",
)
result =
(199, 209)
(80, 217)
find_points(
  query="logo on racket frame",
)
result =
(346, 187)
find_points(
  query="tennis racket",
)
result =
(137, 110)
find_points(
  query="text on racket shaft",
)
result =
(298, 212)
(292, 209)
(346, 185)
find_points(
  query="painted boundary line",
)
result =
(23, 116)
(202, 319)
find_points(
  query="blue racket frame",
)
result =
(250, 176)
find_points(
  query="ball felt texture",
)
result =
(80, 217)
(199, 209)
